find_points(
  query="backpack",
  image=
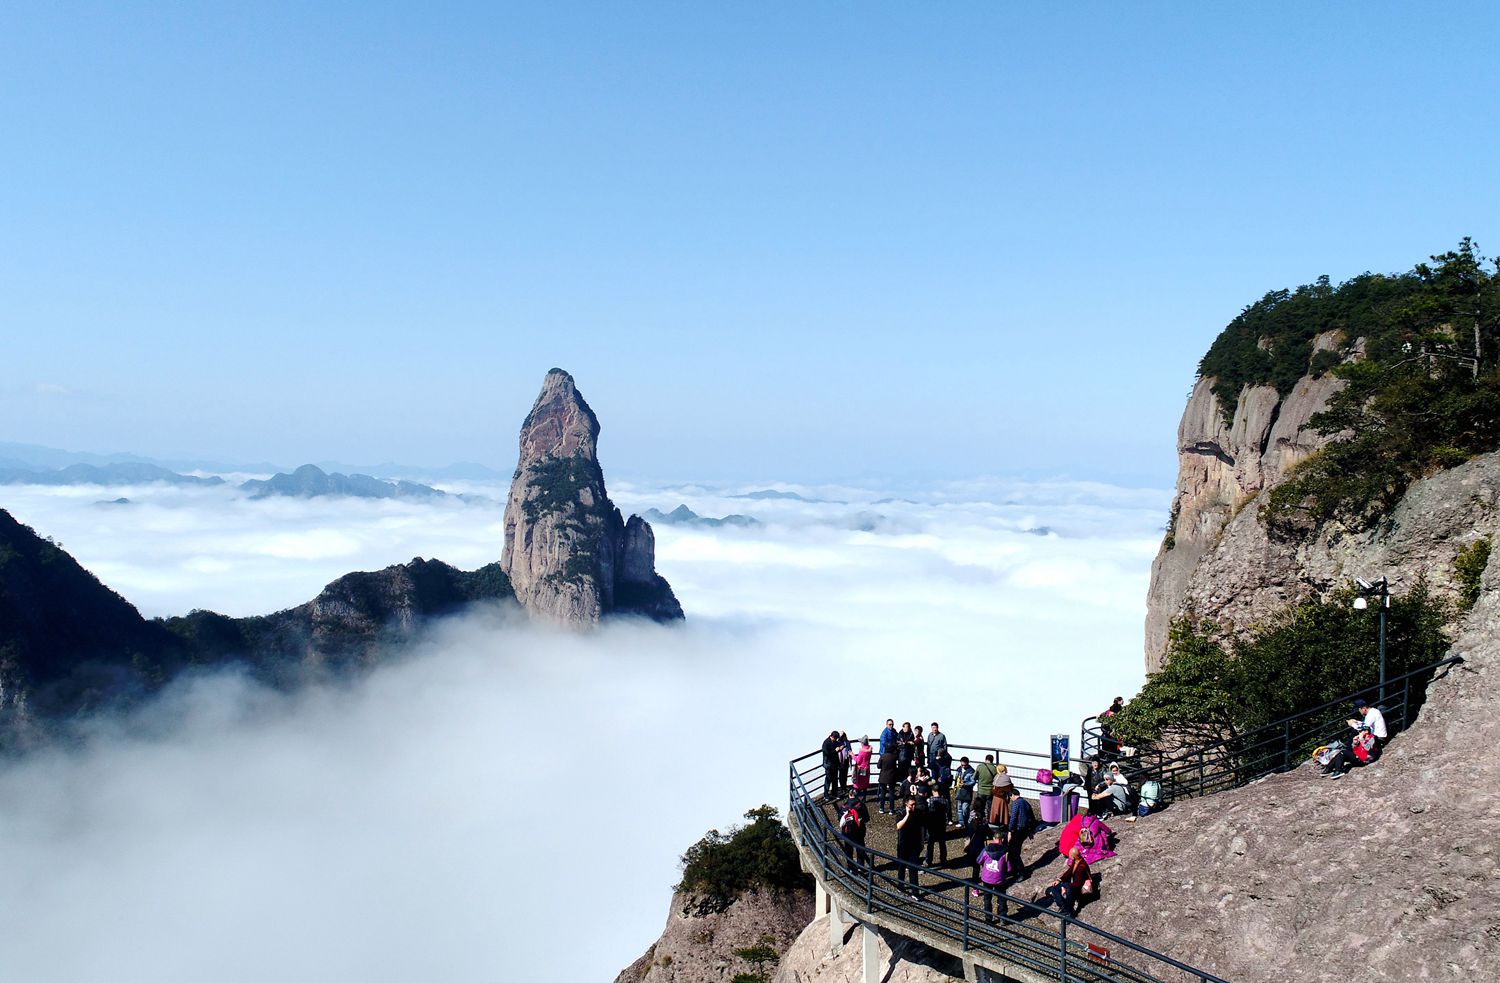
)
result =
(1044, 777)
(1364, 746)
(1150, 793)
(850, 824)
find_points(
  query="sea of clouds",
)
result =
(503, 801)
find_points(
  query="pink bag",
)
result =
(1044, 777)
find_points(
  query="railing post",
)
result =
(1062, 948)
(1286, 746)
(967, 897)
(870, 884)
(1405, 702)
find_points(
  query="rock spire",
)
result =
(569, 554)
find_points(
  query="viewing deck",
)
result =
(1025, 942)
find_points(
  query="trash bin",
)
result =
(1051, 806)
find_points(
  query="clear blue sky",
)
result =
(809, 241)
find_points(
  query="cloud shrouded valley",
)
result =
(429, 820)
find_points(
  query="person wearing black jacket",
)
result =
(937, 825)
(909, 829)
(831, 765)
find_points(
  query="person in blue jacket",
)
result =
(888, 736)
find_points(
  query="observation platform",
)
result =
(1025, 943)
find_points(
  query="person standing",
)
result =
(937, 744)
(845, 753)
(909, 829)
(991, 874)
(937, 825)
(888, 736)
(1020, 824)
(905, 747)
(888, 781)
(984, 783)
(963, 794)
(855, 821)
(861, 761)
(831, 765)
(919, 749)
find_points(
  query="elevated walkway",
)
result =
(1024, 942)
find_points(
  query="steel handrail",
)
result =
(1037, 947)
(1229, 754)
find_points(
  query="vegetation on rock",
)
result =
(1212, 685)
(1424, 396)
(1469, 564)
(759, 854)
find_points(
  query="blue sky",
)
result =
(811, 242)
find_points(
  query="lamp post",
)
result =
(1381, 591)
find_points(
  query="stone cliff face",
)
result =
(1222, 469)
(1392, 873)
(569, 554)
(701, 948)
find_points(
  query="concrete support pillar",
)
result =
(871, 953)
(835, 927)
(820, 899)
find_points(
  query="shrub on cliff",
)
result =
(1424, 396)
(1310, 654)
(759, 854)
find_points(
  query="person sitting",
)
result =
(1370, 721)
(1113, 793)
(1069, 886)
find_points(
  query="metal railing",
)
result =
(1021, 933)
(1275, 747)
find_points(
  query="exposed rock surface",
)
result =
(1389, 874)
(1222, 469)
(700, 948)
(569, 554)
(901, 960)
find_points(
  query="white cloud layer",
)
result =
(428, 821)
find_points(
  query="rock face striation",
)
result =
(708, 946)
(570, 556)
(1222, 468)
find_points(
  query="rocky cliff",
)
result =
(1392, 873)
(1220, 561)
(569, 554)
(704, 945)
(69, 645)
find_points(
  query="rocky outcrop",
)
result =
(1222, 468)
(311, 481)
(902, 960)
(701, 945)
(1392, 873)
(569, 554)
(70, 646)
(349, 623)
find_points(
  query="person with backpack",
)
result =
(1150, 800)
(1020, 824)
(992, 863)
(964, 780)
(937, 826)
(888, 780)
(909, 830)
(853, 823)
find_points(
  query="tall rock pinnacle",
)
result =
(569, 554)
